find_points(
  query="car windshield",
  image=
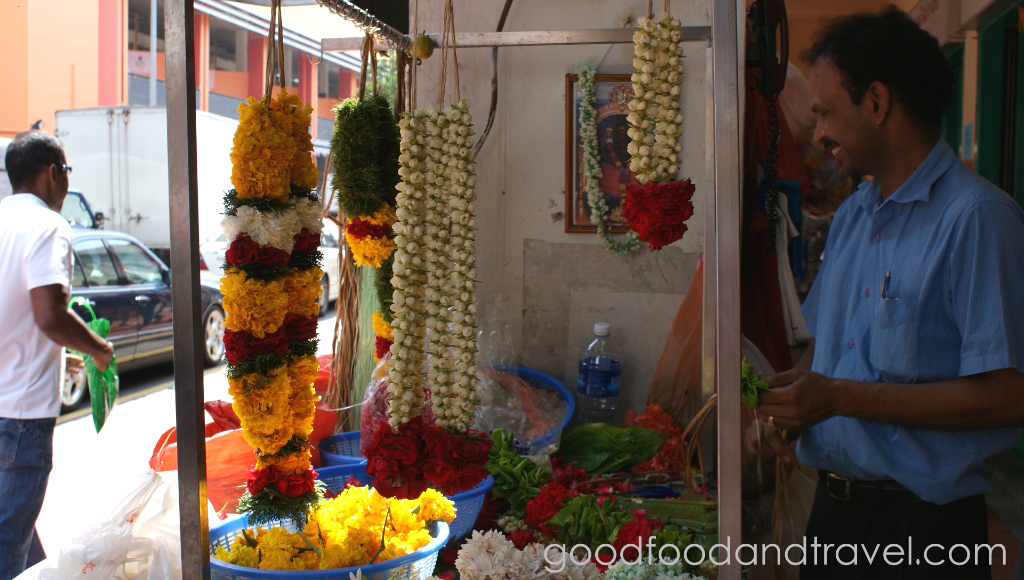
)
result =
(75, 212)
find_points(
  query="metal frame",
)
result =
(721, 334)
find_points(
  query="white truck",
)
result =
(119, 161)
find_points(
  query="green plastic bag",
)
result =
(103, 385)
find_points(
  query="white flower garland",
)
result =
(592, 172)
(491, 556)
(274, 229)
(655, 120)
(435, 286)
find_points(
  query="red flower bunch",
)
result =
(383, 346)
(306, 242)
(455, 461)
(545, 505)
(656, 211)
(291, 485)
(240, 345)
(393, 459)
(569, 475)
(298, 328)
(521, 538)
(359, 228)
(244, 250)
(669, 457)
(633, 532)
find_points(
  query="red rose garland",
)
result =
(656, 211)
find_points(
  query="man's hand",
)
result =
(73, 364)
(102, 360)
(806, 399)
(772, 444)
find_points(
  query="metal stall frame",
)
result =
(721, 328)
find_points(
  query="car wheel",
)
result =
(325, 300)
(74, 389)
(213, 334)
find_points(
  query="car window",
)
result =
(328, 241)
(77, 275)
(97, 265)
(74, 211)
(138, 266)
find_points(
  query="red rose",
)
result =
(260, 478)
(240, 345)
(633, 532)
(521, 538)
(352, 482)
(449, 575)
(382, 346)
(360, 229)
(569, 475)
(456, 461)
(298, 328)
(296, 485)
(545, 505)
(244, 250)
(656, 211)
(393, 459)
(306, 242)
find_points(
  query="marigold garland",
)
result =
(382, 333)
(271, 290)
(370, 237)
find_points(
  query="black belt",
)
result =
(845, 488)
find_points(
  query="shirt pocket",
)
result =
(895, 339)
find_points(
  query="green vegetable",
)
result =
(365, 148)
(601, 448)
(751, 385)
(516, 479)
(582, 521)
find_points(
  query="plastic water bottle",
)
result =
(598, 383)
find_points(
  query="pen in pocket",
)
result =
(884, 294)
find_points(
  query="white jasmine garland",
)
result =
(274, 229)
(655, 119)
(310, 215)
(407, 355)
(592, 172)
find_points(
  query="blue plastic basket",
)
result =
(545, 382)
(416, 566)
(341, 449)
(467, 503)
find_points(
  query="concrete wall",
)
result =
(557, 285)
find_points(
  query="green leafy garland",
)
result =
(592, 168)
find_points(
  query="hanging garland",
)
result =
(655, 120)
(271, 286)
(592, 172)
(657, 208)
(434, 306)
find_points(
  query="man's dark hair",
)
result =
(892, 49)
(29, 153)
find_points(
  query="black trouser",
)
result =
(867, 525)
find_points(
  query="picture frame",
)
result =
(613, 93)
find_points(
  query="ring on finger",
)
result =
(771, 421)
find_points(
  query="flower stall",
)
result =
(433, 483)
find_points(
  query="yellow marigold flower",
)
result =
(434, 506)
(381, 327)
(303, 290)
(261, 153)
(254, 305)
(369, 251)
(290, 464)
(296, 119)
(303, 405)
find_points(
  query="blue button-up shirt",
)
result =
(954, 246)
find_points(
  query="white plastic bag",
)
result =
(137, 540)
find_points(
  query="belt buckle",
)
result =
(846, 490)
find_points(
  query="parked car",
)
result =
(212, 253)
(127, 284)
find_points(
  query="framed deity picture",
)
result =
(613, 93)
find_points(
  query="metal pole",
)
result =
(188, 368)
(727, 248)
(152, 53)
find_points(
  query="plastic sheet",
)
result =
(375, 404)
(508, 402)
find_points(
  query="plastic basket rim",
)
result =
(481, 488)
(337, 457)
(558, 386)
(439, 528)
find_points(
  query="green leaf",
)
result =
(751, 385)
(600, 448)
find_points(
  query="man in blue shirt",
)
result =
(914, 378)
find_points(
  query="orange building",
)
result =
(68, 54)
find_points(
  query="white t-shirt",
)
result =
(35, 251)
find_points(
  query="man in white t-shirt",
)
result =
(35, 267)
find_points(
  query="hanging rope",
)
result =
(369, 58)
(275, 48)
(415, 57)
(448, 35)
